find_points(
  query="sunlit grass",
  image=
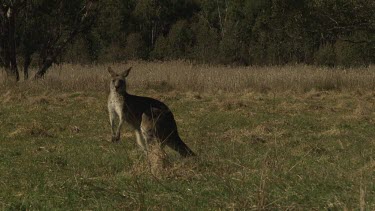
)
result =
(273, 141)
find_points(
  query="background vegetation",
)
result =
(246, 32)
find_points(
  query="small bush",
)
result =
(325, 56)
(162, 49)
(135, 47)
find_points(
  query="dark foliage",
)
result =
(241, 32)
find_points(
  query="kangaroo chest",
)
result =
(116, 103)
(124, 109)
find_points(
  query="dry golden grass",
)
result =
(184, 76)
(157, 159)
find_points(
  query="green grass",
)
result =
(260, 150)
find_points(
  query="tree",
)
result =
(343, 21)
(267, 32)
(157, 17)
(205, 42)
(45, 27)
(8, 13)
(67, 20)
(135, 47)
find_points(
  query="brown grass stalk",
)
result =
(187, 76)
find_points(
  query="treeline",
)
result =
(264, 32)
(243, 32)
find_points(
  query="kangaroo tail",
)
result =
(177, 144)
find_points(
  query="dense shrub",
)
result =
(135, 47)
(325, 55)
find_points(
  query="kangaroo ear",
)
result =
(111, 72)
(126, 72)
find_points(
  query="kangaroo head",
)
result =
(118, 80)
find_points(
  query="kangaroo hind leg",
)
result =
(142, 142)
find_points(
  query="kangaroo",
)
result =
(129, 108)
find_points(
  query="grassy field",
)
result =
(280, 138)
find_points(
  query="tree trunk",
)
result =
(26, 65)
(12, 44)
(8, 43)
(42, 71)
(2, 37)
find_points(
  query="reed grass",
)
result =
(185, 76)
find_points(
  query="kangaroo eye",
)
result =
(113, 81)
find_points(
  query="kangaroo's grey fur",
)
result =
(129, 108)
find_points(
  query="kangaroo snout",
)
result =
(118, 84)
